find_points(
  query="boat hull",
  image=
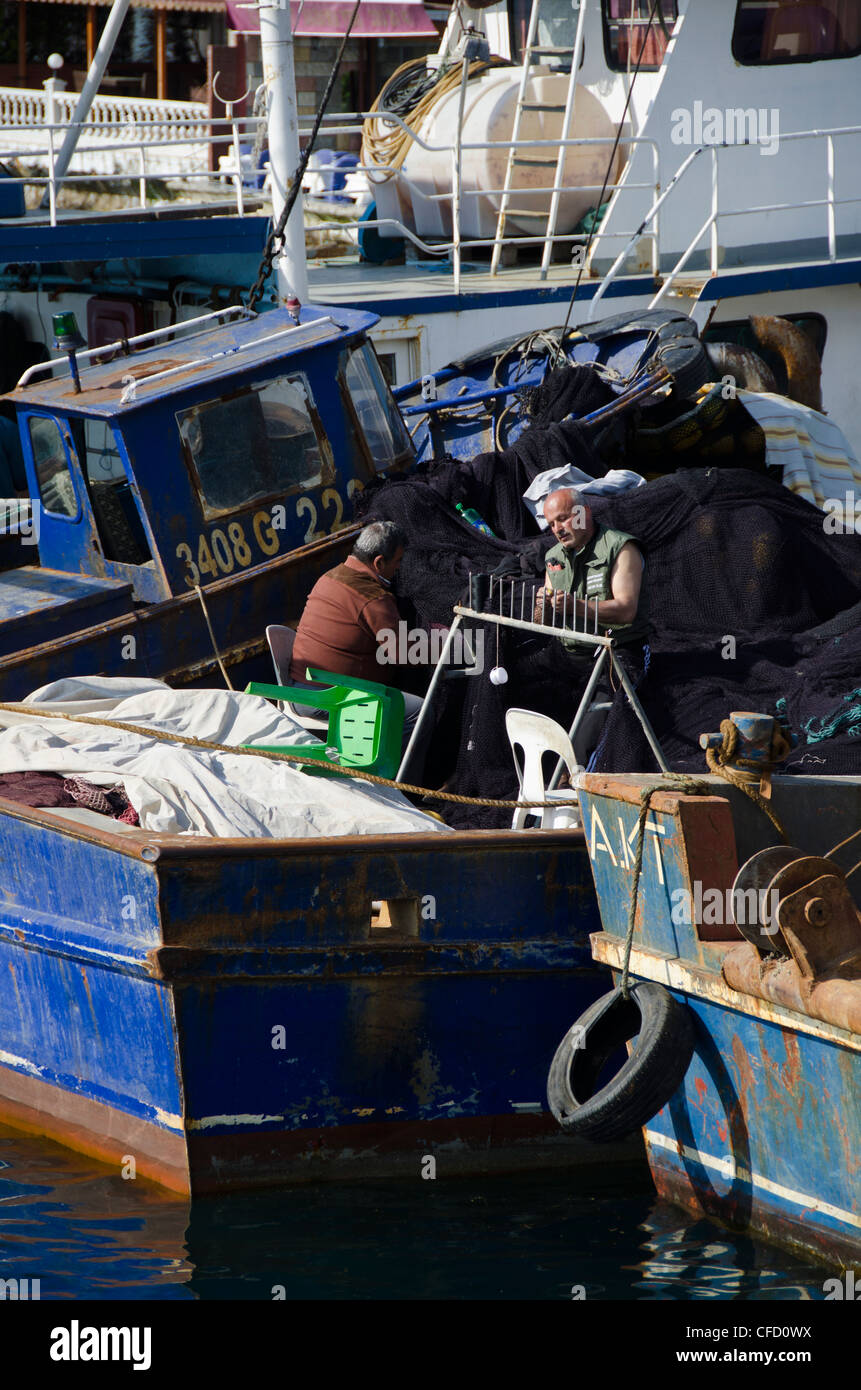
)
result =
(763, 1134)
(229, 1013)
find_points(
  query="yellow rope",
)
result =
(389, 146)
(720, 760)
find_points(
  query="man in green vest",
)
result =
(593, 562)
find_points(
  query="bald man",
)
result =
(590, 562)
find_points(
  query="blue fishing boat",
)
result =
(239, 1012)
(745, 994)
(140, 502)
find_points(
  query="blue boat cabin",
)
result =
(188, 463)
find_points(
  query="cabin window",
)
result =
(115, 510)
(784, 31)
(53, 474)
(260, 442)
(379, 421)
(627, 33)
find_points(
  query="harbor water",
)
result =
(86, 1233)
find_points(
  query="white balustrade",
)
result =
(178, 129)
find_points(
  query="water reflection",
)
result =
(85, 1233)
(82, 1230)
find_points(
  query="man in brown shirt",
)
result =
(347, 608)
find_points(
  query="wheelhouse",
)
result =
(188, 460)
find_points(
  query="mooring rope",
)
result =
(221, 666)
(722, 762)
(190, 741)
(677, 781)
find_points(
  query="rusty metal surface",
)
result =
(199, 948)
(93, 1128)
(803, 367)
(196, 1164)
(817, 917)
(689, 851)
(226, 348)
(836, 1001)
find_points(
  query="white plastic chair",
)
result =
(281, 640)
(534, 734)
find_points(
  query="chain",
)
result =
(275, 239)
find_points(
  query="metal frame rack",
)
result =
(581, 636)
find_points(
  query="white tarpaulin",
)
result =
(570, 476)
(182, 790)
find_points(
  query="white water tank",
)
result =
(489, 112)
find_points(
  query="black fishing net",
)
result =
(753, 606)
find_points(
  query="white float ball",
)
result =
(498, 675)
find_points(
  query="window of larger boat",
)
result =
(385, 436)
(628, 33)
(557, 23)
(260, 442)
(783, 31)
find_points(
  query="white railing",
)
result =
(127, 147)
(171, 141)
(710, 226)
(174, 131)
(455, 248)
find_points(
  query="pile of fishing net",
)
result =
(754, 605)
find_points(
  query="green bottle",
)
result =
(471, 515)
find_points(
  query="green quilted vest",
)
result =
(587, 574)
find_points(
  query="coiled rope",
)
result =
(389, 146)
(723, 762)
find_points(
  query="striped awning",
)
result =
(377, 19)
(206, 6)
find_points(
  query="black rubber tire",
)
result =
(687, 360)
(646, 1081)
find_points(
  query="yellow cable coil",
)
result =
(390, 147)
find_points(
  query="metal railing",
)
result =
(160, 149)
(454, 248)
(127, 151)
(149, 143)
(711, 224)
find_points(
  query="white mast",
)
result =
(276, 41)
(110, 33)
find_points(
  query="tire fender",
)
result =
(647, 1079)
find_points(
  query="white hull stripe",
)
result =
(729, 1169)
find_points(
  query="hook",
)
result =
(233, 101)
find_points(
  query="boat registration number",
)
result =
(236, 545)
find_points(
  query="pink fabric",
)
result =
(377, 19)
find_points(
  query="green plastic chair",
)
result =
(366, 721)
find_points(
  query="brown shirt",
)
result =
(346, 609)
